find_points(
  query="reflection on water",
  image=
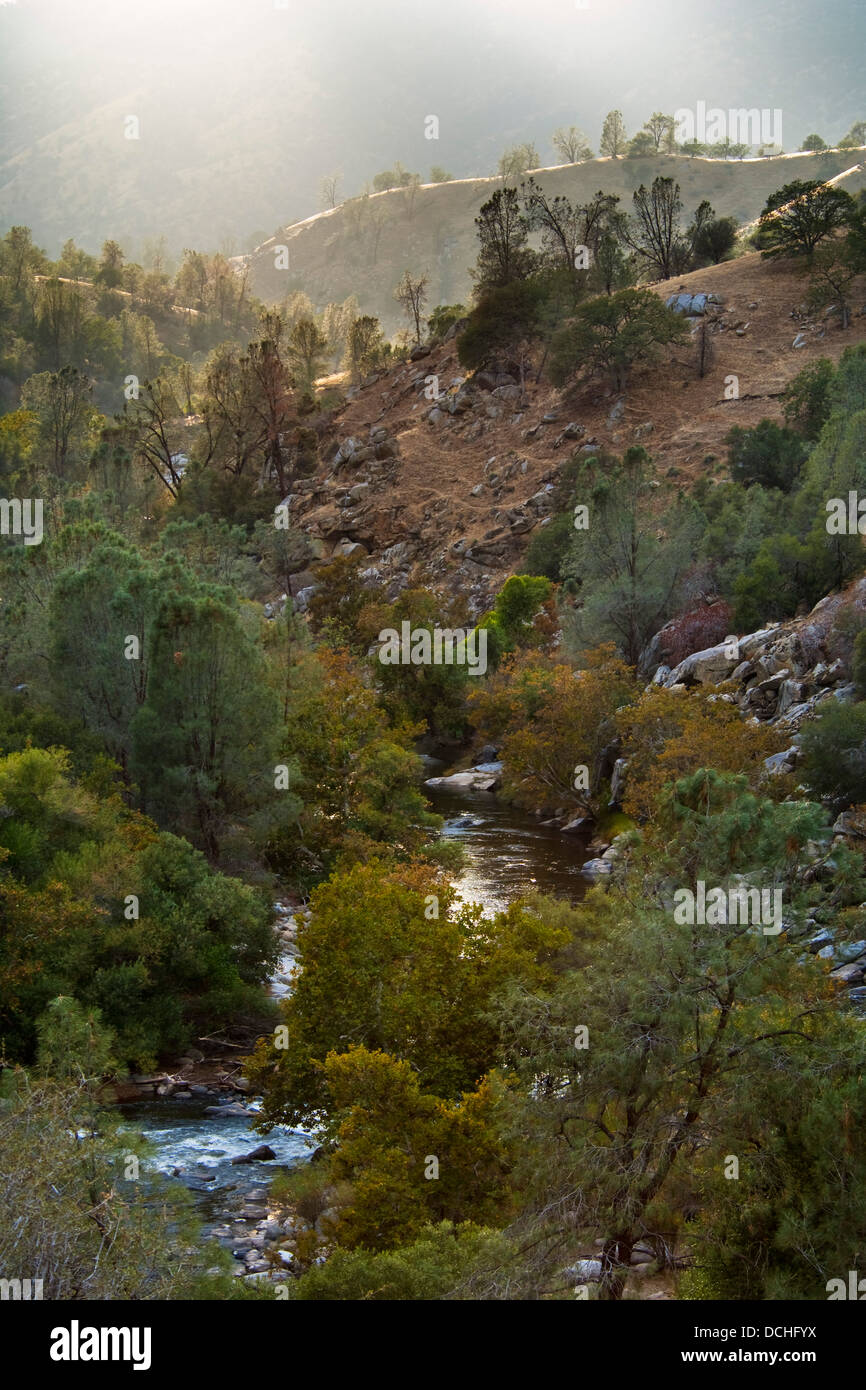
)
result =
(508, 854)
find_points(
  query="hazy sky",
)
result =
(244, 104)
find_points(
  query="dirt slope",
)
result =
(460, 500)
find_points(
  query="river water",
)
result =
(507, 854)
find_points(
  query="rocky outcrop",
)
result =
(779, 674)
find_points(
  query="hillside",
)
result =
(459, 499)
(243, 108)
(363, 246)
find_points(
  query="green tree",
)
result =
(306, 350)
(366, 348)
(517, 159)
(799, 216)
(613, 136)
(359, 777)
(61, 403)
(641, 145)
(680, 1044)
(83, 1229)
(855, 138)
(807, 398)
(387, 1130)
(20, 260)
(516, 607)
(204, 742)
(661, 128)
(834, 751)
(94, 609)
(76, 263)
(612, 333)
(835, 266)
(711, 237)
(655, 234)
(768, 454)
(630, 559)
(392, 962)
(430, 1267)
(504, 255)
(73, 1042)
(509, 320)
(110, 272)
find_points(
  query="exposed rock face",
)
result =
(709, 667)
(781, 675)
(783, 672)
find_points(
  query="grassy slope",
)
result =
(363, 246)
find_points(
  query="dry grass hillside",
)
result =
(453, 501)
(363, 246)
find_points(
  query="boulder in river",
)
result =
(595, 869)
(483, 778)
(262, 1154)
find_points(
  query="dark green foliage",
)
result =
(504, 322)
(711, 237)
(807, 398)
(786, 576)
(858, 663)
(799, 216)
(504, 255)
(516, 605)
(549, 546)
(431, 1267)
(629, 563)
(613, 333)
(443, 317)
(834, 752)
(768, 454)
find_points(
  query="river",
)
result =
(507, 854)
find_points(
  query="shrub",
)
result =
(834, 753)
(549, 547)
(443, 317)
(807, 398)
(858, 665)
(430, 1268)
(769, 454)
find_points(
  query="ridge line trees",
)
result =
(571, 144)
(613, 136)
